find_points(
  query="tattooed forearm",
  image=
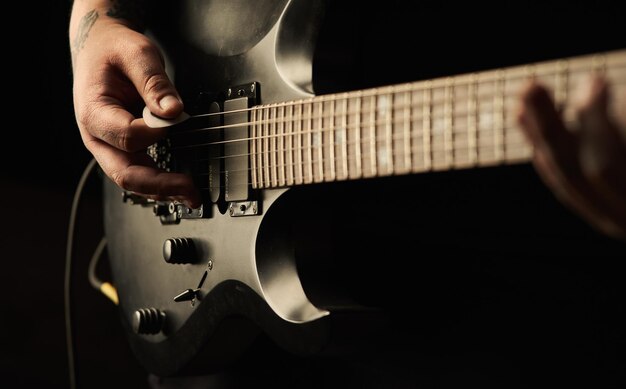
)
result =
(83, 31)
(132, 10)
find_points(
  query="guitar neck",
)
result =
(441, 124)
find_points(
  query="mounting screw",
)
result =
(210, 265)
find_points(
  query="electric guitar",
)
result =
(198, 285)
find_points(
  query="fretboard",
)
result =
(448, 123)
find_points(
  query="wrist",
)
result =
(89, 24)
(131, 13)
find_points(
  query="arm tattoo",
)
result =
(83, 31)
(132, 10)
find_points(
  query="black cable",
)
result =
(91, 272)
(68, 272)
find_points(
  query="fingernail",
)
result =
(169, 102)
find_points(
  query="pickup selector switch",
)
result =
(179, 250)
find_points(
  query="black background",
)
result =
(543, 297)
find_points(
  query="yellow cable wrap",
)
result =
(109, 291)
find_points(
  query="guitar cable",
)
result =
(104, 287)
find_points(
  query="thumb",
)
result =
(146, 71)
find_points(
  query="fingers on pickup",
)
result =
(136, 172)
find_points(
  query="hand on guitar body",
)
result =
(585, 164)
(116, 71)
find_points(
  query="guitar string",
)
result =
(442, 147)
(415, 136)
(435, 160)
(435, 147)
(323, 131)
(310, 120)
(454, 149)
(420, 86)
(461, 127)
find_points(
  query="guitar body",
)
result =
(252, 284)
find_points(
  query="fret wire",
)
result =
(322, 152)
(280, 130)
(300, 142)
(309, 150)
(289, 141)
(331, 140)
(260, 148)
(274, 144)
(344, 138)
(389, 129)
(560, 84)
(448, 122)
(273, 159)
(426, 126)
(498, 112)
(253, 150)
(357, 118)
(388, 134)
(317, 135)
(263, 112)
(372, 143)
(299, 135)
(266, 145)
(258, 157)
(407, 131)
(472, 119)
